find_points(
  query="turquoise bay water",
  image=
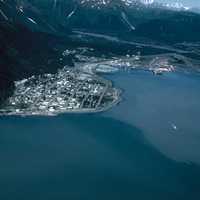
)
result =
(147, 147)
(166, 108)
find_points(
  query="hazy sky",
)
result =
(193, 3)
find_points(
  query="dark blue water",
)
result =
(129, 152)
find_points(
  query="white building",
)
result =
(147, 1)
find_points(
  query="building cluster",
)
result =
(65, 91)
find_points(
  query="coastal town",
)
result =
(66, 91)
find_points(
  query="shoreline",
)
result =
(115, 102)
